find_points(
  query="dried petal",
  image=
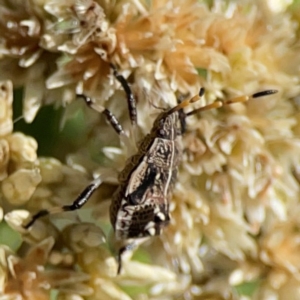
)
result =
(22, 148)
(6, 98)
(20, 186)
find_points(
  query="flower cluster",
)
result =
(234, 229)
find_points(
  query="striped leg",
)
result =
(131, 102)
(129, 246)
(83, 198)
(122, 250)
(111, 118)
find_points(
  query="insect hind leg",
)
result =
(127, 248)
(122, 250)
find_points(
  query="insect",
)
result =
(140, 204)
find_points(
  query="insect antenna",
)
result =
(239, 99)
(186, 102)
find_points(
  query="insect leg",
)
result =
(127, 247)
(84, 196)
(111, 118)
(131, 102)
(122, 250)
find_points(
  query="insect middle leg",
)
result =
(83, 198)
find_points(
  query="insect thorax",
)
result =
(140, 206)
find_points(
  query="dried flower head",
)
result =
(234, 207)
(27, 278)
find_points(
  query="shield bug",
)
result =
(140, 204)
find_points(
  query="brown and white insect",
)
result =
(140, 205)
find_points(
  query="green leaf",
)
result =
(9, 237)
(202, 72)
(247, 288)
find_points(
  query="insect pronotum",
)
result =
(140, 204)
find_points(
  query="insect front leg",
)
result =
(131, 102)
(130, 144)
(83, 198)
